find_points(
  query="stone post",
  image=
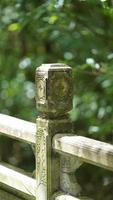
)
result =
(54, 93)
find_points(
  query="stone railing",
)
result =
(59, 152)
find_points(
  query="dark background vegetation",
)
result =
(78, 33)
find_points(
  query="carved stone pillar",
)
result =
(54, 92)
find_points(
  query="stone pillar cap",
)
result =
(53, 67)
(54, 89)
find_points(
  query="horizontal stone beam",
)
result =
(8, 196)
(86, 149)
(17, 128)
(17, 181)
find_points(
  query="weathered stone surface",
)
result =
(61, 196)
(54, 89)
(17, 128)
(68, 182)
(17, 182)
(54, 100)
(54, 93)
(7, 196)
(69, 164)
(47, 161)
(88, 150)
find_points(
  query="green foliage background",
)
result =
(78, 33)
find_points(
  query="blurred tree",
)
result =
(79, 34)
